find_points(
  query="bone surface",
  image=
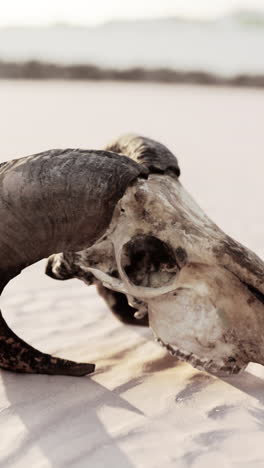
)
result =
(202, 290)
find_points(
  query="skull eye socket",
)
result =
(148, 262)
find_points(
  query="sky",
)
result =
(43, 12)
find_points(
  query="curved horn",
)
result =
(152, 154)
(149, 153)
(50, 202)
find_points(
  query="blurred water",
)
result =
(228, 46)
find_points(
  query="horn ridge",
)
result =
(49, 202)
(150, 153)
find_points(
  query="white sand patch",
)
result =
(141, 408)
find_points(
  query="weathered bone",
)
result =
(158, 159)
(204, 292)
(54, 201)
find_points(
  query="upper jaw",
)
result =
(226, 369)
(213, 321)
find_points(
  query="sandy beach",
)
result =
(141, 408)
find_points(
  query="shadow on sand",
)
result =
(60, 416)
(248, 383)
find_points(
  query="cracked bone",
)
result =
(203, 291)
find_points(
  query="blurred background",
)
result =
(224, 37)
(190, 73)
(79, 73)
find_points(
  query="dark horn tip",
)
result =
(66, 368)
(178, 172)
(77, 370)
(48, 270)
(144, 172)
(61, 274)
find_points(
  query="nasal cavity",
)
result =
(148, 261)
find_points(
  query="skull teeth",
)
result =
(198, 363)
(140, 314)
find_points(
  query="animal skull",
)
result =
(123, 220)
(203, 292)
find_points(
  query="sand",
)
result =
(141, 409)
